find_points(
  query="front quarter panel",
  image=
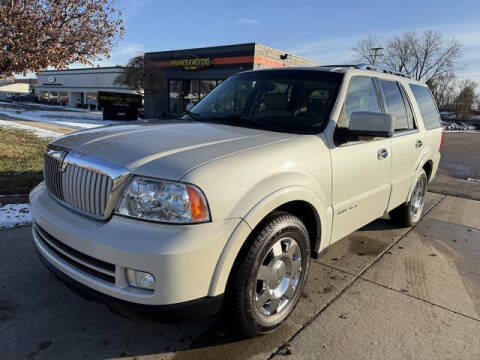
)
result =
(250, 184)
(235, 184)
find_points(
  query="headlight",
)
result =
(163, 201)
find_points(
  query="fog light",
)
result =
(140, 279)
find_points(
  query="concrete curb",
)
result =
(14, 199)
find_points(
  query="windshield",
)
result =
(281, 100)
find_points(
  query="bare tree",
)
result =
(432, 55)
(444, 89)
(423, 57)
(466, 98)
(398, 52)
(364, 49)
(144, 77)
(36, 34)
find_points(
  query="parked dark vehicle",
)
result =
(119, 106)
(27, 98)
(10, 98)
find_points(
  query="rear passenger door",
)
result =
(360, 166)
(406, 142)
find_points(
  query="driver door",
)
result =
(360, 166)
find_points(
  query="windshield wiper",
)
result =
(236, 119)
(193, 116)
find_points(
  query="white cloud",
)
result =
(246, 21)
(129, 49)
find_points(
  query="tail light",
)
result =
(441, 142)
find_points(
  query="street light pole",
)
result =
(375, 52)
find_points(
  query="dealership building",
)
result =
(78, 87)
(190, 74)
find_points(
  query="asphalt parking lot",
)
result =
(460, 161)
(381, 293)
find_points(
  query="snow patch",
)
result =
(12, 215)
(72, 119)
(43, 133)
(47, 106)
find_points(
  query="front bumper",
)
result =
(182, 258)
(188, 310)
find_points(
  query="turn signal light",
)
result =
(198, 204)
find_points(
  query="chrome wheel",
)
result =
(418, 197)
(278, 277)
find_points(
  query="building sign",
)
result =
(51, 79)
(191, 64)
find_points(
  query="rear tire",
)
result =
(409, 213)
(271, 274)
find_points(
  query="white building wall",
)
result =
(78, 82)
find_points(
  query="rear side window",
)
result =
(395, 104)
(408, 106)
(428, 108)
(361, 96)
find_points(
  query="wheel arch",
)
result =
(425, 164)
(296, 199)
(428, 167)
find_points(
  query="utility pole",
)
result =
(375, 52)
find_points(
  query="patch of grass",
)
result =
(21, 157)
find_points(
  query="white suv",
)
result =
(225, 206)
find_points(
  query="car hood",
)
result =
(166, 149)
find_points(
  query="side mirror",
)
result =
(368, 123)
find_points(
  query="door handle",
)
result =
(382, 154)
(419, 144)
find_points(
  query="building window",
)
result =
(43, 96)
(206, 86)
(176, 96)
(92, 98)
(64, 97)
(53, 98)
(184, 92)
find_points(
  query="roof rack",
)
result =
(366, 66)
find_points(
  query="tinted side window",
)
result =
(408, 106)
(428, 108)
(394, 103)
(361, 96)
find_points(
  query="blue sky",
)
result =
(322, 30)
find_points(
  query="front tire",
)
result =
(271, 274)
(409, 214)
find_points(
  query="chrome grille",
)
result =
(86, 190)
(53, 175)
(74, 179)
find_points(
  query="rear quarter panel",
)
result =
(431, 138)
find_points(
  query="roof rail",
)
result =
(366, 66)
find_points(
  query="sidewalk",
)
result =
(420, 301)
